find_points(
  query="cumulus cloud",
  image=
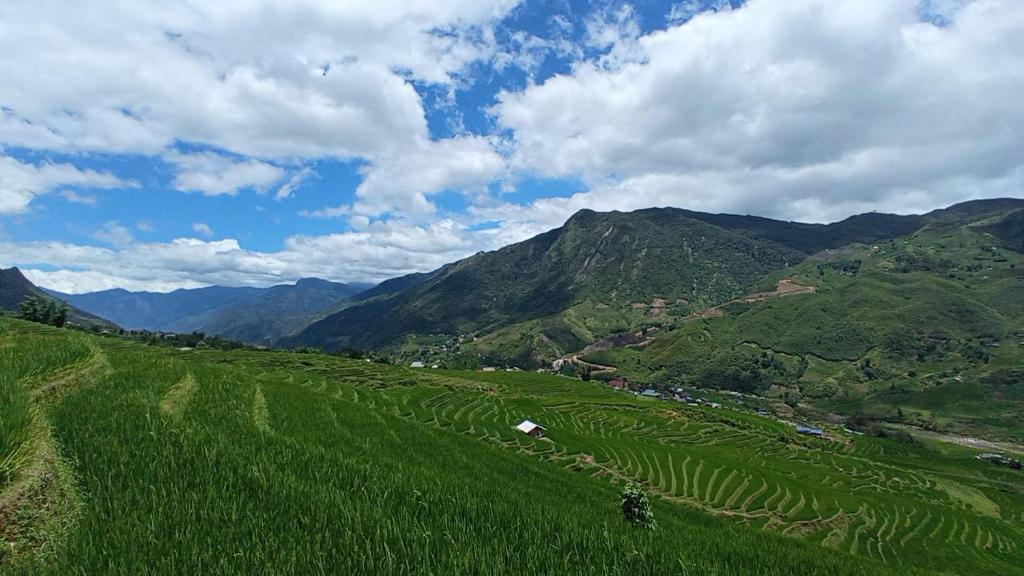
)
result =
(279, 78)
(214, 174)
(403, 182)
(20, 182)
(806, 109)
(379, 251)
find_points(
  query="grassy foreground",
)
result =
(125, 459)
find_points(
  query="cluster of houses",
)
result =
(675, 394)
(1000, 460)
(422, 364)
(810, 431)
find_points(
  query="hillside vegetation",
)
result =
(925, 329)
(614, 262)
(603, 274)
(251, 462)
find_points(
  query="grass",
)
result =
(247, 462)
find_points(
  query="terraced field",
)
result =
(242, 462)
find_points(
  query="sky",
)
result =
(150, 145)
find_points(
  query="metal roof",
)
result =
(526, 426)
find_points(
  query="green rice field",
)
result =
(118, 458)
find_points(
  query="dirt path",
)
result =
(977, 443)
(594, 368)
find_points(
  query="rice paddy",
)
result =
(167, 461)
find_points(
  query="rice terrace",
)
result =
(124, 458)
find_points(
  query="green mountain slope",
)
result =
(15, 288)
(278, 311)
(926, 329)
(599, 275)
(611, 259)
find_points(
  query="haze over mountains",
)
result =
(251, 315)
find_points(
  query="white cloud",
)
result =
(328, 212)
(805, 109)
(214, 174)
(202, 229)
(20, 182)
(271, 79)
(379, 251)
(76, 198)
(114, 233)
(268, 84)
(295, 181)
(404, 181)
(73, 281)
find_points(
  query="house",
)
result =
(531, 429)
(1000, 460)
(651, 393)
(618, 383)
(489, 369)
(809, 430)
(418, 364)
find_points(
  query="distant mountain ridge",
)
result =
(252, 315)
(586, 279)
(15, 288)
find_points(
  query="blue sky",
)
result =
(244, 145)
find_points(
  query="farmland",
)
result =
(120, 458)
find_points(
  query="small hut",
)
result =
(531, 429)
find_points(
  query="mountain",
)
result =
(279, 311)
(924, 329)
(602, 274)
(253, 315)
(171, 311)
(15, 288)
(611, 268)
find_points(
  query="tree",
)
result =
(44, 311)
(30, 309)
(60, 318)
(636, 506)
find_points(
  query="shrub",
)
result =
(637, 507)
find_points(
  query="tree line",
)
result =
(44, 310)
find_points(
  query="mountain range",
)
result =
(252, 315)
(607, 273)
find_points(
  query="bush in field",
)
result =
(637, 507)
